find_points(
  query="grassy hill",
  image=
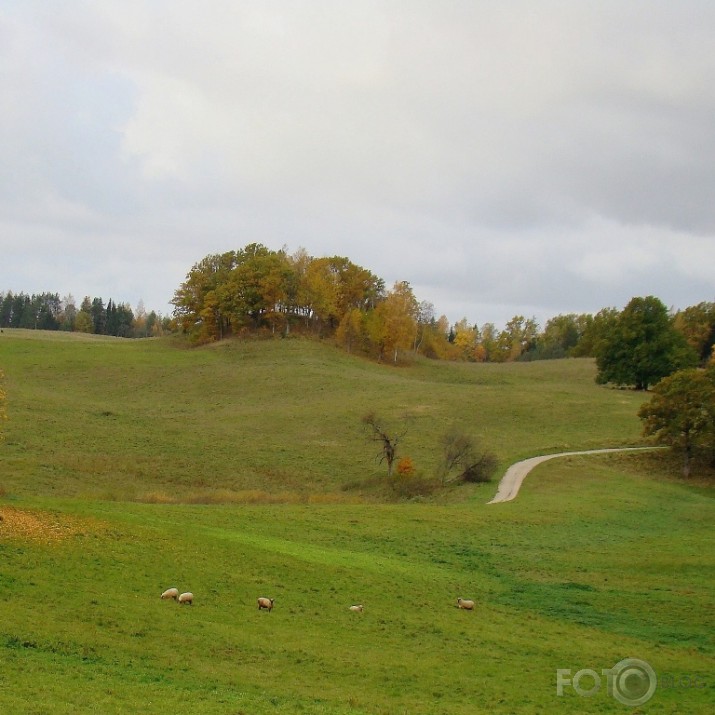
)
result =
(130, 467)
(142, 420)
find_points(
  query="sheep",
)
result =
(170, 593)
(266, 603)
(187, 598)
(356, 608)
(465, 604)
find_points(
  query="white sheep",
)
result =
(170, 593)
(187, 598)
(266, 603)
(465, 604)
(357, 608)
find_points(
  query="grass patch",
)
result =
(240, 470)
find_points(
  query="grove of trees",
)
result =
(46, 311)
(256, 289)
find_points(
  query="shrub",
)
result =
(406, 467)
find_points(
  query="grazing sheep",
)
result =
(170, 593)
(187, 598)
(266, 603)
(465, 604)
(357, 608)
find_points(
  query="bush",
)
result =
(461, 453)
(406, 467)
(482, 470)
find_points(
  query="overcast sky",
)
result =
(505, 158)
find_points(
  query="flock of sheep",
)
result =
(267, 603)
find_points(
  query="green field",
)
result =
(241, 470)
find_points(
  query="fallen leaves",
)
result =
(38, 526)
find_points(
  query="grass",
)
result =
(147, 421)
(599, 558)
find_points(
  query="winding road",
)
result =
(511, 481)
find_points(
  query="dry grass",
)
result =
(245, 496)
(41, 526)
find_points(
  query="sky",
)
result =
(529, 157)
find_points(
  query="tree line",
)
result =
(46, 311)
(256, 289)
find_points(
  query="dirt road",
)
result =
(511, 481)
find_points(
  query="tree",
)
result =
(642, 346)
(681, 412)
(190, 300)
(594, 329)
(69, 313)
(398, 313)
(517, 337)
(379, 432)
(350, 330)
(99, 316)
(560, 337)
(465, 340)
(83, 322)
(461, 453)
(697, 324)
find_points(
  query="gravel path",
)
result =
(511, 481)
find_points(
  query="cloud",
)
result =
(505, 158)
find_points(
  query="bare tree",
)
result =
(388, 440)
(460, 453)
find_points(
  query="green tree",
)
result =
(6, 310)
(594, 329)
(642, 346)
(697, 324)
(99, 316)
(681, 412)
(83, 322)
(559, 338)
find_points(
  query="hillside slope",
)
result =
(279, 419)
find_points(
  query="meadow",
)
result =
(241, 469)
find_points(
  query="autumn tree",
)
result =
(465, 340)
(396, 318)
(198, 307)
(681, 413)
(697, 324)
(517, 337)
(433, 342)
(488, 343)
(641, 346)
(350, 331)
